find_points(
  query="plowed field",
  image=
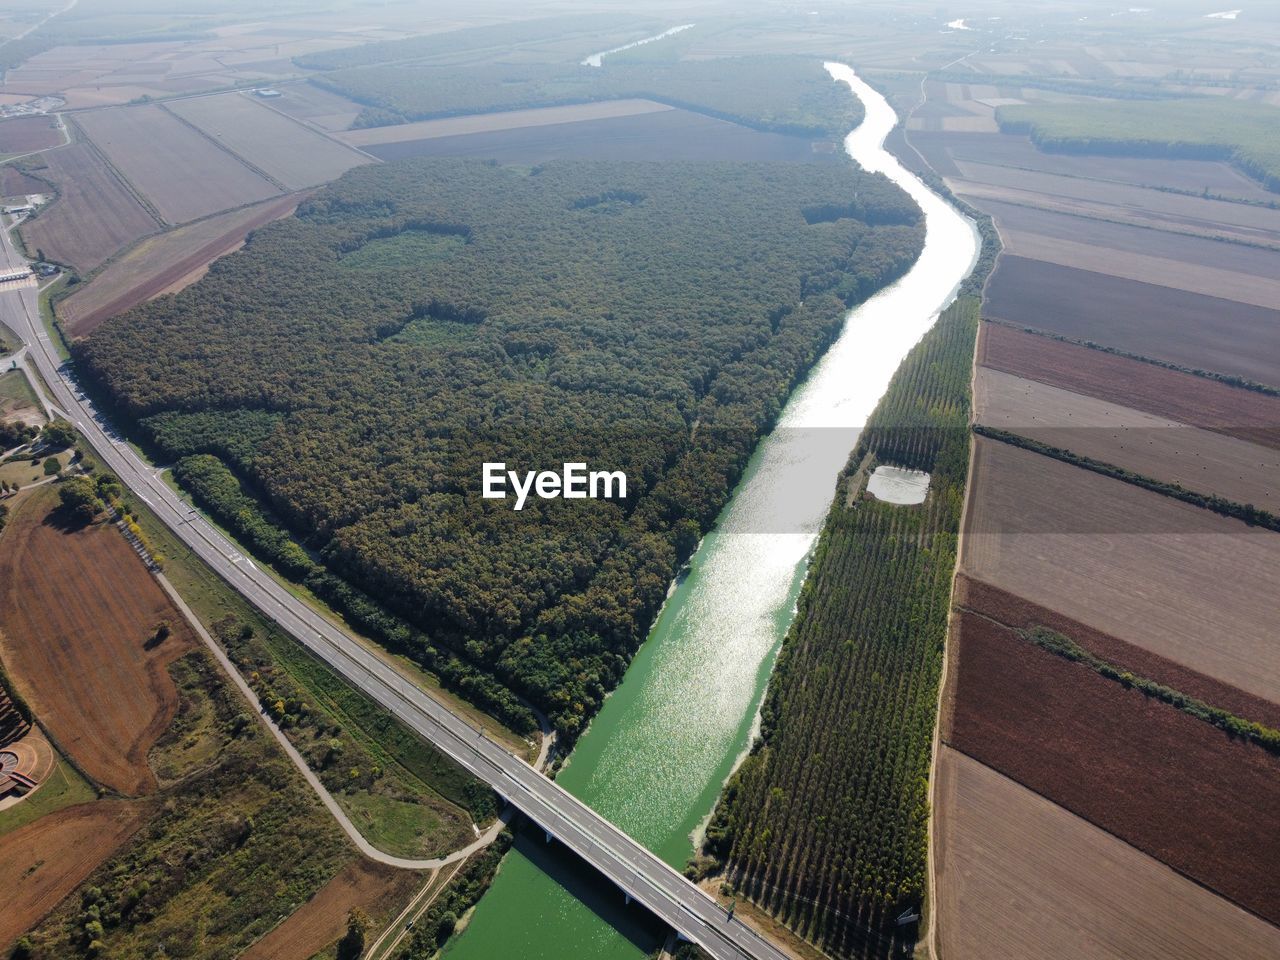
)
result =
(44, 861)
(1021, 877)
(77, 609)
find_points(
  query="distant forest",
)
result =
(346, 375)
(1241, 132)
(791, 95)
(455, 73)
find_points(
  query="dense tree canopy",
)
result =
(639, 317)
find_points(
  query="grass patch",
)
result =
(403, 251)
(14, 389)
(64, 787)
(403, 828)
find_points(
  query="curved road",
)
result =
(635, 870)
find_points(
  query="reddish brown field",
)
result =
(27, 134)
(1188, 329)
(1020, 877)
(165, 264)
(1180, 396)
(1168, 783)
(1153, 446)
(163, 158)
(94, 216)
(1187, 584)
(76, 612)
(372, 887)
(1014, 611)
(44, 861)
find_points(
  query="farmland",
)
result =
(1243, 133)
(1124, 240)
(1207, 333)
(28, 134)
(323, 919)
(1021, 877)
(1184, 397)
(164, 264)
(227, 805)
(1074, 542)
(160, 156)
(317, 106)
(869, 632)
(1009, 609)
(1122, 760)
(42, 862)
(78, 610)
(287, 151)
(1152, 446)
(94, 216)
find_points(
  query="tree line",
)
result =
(825, 823)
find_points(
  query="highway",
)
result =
(638, 873)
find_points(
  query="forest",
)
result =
(1209, 128)
(824, 824)
(640, 317)
(782, 94)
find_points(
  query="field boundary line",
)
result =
(357, 838)
(228, 151)
(125, 182)
(310, 128)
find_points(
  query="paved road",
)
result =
(637, 872)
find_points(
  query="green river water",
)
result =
(654, 759)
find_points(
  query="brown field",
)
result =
(505, 120)
(44, 861)
(371, 887)
(1010, 609)
(1171, 785)
(26, 134)
(981, 194)
(1180, 396)
(1194, 210)
(163, 158)
(76, 612)
(1206, 333)
(661, 135)
(318, 106)
(165, 264)
(1079, 543)
(1189, 252)
(94, 216)
(1153, 446)
(286, 150)
(15, 183)
(1241, 287)
(1018, 876)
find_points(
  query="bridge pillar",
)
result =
(549, 836)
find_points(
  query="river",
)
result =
(654, 759)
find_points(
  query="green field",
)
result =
(1245, 133)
